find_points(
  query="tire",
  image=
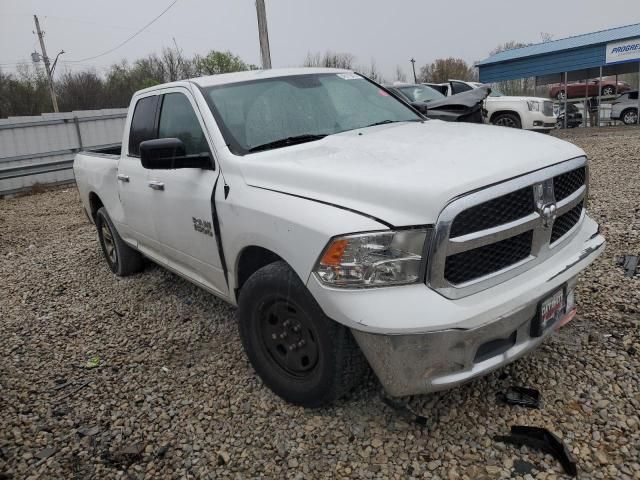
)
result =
(608, 91)
(121, 258)
(510, 120)
(629, 116)
(276, 313)
(560, 95)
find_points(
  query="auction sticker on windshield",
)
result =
(349, 76)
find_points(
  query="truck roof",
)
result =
(226, 78)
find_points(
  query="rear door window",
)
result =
(142, 123)
(179, 120)
(459, 87)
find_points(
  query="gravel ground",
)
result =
(102, 377)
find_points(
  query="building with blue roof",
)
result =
(615, 51)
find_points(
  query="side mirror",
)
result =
(169, 154)
(421, 107)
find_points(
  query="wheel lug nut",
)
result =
(297, 328)
(301, 343)
(274, 336)
(292, 347)
(286, 323)
(283, 335)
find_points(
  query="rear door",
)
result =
(182, 205)
(133, 181)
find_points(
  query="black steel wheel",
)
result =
(298, 352)
(289, 336)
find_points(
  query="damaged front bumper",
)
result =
(413, 364)
(418, 341)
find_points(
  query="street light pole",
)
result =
(413, 65)
(47, 67)
(265, 53)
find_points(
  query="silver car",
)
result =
(625, 108)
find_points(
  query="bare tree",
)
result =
(330, 60)
(372, 72)
(80, 91)
(400, 75)
(443, 69)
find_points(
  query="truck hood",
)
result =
(403, 173)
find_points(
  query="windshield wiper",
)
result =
(384, 122)
(284, 142)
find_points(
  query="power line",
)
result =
(128, 39)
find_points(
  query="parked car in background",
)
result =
(528, 113)
(345, 227)
(464, 107)
(591, 89)
(625, 108)
(574, 117)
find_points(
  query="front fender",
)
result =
(296, 229)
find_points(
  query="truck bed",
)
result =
(112, 151)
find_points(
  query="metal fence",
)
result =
(40, 150)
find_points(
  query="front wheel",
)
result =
(560, 95)
(299, 353)
(510, 120)
(630, 117)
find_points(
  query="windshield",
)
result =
(280, 111)
(421, 93)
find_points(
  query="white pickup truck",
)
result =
(349, 229)
(527, 113)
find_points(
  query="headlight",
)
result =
(374, 259)
(534, 105)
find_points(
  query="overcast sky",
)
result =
(389, 32)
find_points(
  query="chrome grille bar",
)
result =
(539, 222)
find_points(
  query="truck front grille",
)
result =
(567, 183)
(493, 234)
(564, 223)
(497, 211)
(472, 264)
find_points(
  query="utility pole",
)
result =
(54, 101)
(413, 65)
(263, 34)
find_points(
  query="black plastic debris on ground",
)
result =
(403, 408)
(525, 397)
(630, 264)
(523, 467)
(541, 439)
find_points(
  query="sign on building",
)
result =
(623, 51)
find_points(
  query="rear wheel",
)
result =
(560, 95)
(630, 116)
(510, 120)
(121, 258)
(299, 353)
